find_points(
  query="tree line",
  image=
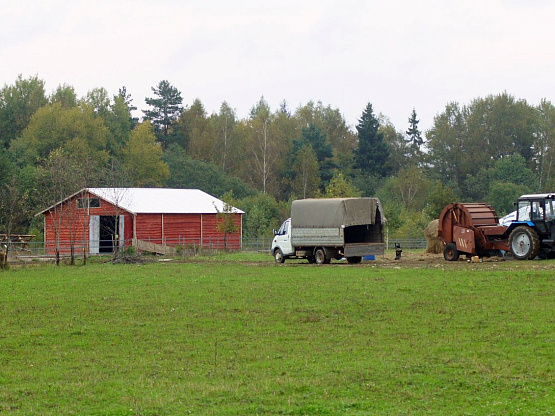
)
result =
(51, 145)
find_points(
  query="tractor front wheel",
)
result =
(524, 243)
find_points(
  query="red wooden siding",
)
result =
(74, 225)
(182, 229)
(171, 229)
(149, 227)
(214, 238)
(186, 229)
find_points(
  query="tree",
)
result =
(65, 96)
(399, 152)
(226, 137)
(513, 169)
(544, 146)
(166, 108)
(261, 215)
(115, 116)
(415, 141)
(227, 224)
(307, 178)
(502, 196)
(438, 198)
(447, 142)
(128, 101)
(14, 210)
(312, 136)
(99, 100)
(18, 103)
(120, 123)
(265, 150)
(142, 158)
(74, 129)
(465, 140)
(61, 177)
(186, 172)
(372, 153)
(197, 131)
(340, 187)
(412, 187)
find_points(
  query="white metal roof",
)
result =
(532, 196)
(162, 200)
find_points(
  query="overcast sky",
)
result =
(397, 55)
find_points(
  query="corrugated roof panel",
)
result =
(162, 200)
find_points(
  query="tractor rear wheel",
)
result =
(450, 252)
(524, 243)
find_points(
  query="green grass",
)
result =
(236, 335)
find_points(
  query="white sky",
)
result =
(395, 54)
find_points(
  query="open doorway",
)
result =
(109, 226)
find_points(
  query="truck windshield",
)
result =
(284, 228)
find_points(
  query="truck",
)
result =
(321, 229)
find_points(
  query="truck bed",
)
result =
(315, 237)
(364, 249)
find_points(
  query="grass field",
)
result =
(237, 335)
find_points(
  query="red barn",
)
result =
(100, 219)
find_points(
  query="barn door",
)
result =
(94, 234)
(121, 231)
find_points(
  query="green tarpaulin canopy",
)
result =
(335, 212)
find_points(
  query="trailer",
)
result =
(331, 228)
(471, 229)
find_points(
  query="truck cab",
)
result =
(281, 244)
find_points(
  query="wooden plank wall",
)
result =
(170, 229)
(75, 225)
(186, 229)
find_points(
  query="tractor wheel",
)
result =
(278, 256)
(450, 252)
(524, 243)
(320, 256)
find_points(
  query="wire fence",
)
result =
(181, 246)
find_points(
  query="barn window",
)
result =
(88, 203)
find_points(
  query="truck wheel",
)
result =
(278, 255)
(320, 256)
(354, 260)
(524, 243)
(450, 252)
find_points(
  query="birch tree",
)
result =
(265, 151)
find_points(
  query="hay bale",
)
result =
(434, 244)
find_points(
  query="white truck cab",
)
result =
(281, 244)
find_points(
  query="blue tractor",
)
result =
(532, 234)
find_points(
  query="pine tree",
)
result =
(166, 108)
(372, 153)
(414, 138)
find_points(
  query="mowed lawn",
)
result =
(251, 337)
